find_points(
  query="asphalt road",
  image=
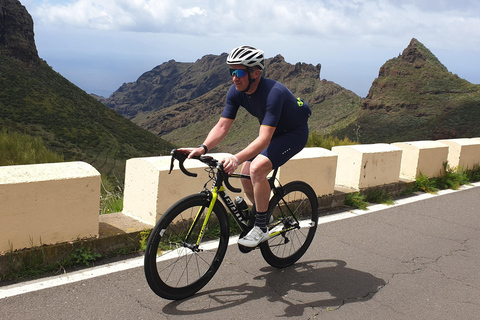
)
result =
(419, 260)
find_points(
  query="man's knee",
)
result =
(260, 167)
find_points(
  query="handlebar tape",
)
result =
(181, 159)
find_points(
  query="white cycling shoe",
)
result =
(253, 238)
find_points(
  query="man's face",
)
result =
(241, 83)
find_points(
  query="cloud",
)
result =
(350, 38)
(120, 15)
(344, 19)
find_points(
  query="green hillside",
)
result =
(332, 107)
(415, 97)
(18, 149)
(187, 122)
(38, 101)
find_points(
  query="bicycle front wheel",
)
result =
(186, 248)
(293, 226)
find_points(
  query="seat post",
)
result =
(271, 180)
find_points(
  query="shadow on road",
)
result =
(321, 284)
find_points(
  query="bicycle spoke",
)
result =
(296, 215)
(187, 248)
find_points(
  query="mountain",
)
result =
(182, 101)
(36, 100)
(415, 97)
(16, 32)
(168, 84)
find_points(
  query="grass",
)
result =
(111, 197)
(83, 256)
(326, 141)
(20, 149)
(361, 201)
(425, 184)
(23, 149)
(33, 263)
(452, 179)
(144, 235)
(379, 196)
(473, 175)
(356, 200)
(36, 262)
(37, 101)
(111, 203)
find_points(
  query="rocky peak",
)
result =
(415, 97)
(16, 32)
(277, 59)
(413, 52)
(211, 61)
(277, 68)
(408, 73)
(419, 55)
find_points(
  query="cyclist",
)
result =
(283, 131)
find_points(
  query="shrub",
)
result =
(452, 179)
(327, 142)
(425, 184)
(19, 149)
(474, 174)
(356, 200)
(379, 196)
(111, 198)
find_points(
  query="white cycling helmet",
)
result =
(247, 56)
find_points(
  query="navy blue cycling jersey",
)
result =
(272, 104)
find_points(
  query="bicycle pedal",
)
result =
(244, 249)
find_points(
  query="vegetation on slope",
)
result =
(415, 97)
(38, 101)
(18, 149)
(188, 122)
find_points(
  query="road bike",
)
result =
(187, 245)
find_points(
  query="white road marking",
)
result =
(44, 283)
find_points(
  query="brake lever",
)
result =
(171, 163)
(181, 159)
(227, 182)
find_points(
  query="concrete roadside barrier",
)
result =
(422, 157)
(48, 204)
(315, 166)
(463, 152)
(150, 190)
(368, 165)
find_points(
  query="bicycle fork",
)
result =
(196, 247)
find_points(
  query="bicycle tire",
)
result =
(285, 249)
(173, 268)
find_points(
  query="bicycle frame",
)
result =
(219, 191)
(189, 242)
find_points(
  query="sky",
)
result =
(101, 44)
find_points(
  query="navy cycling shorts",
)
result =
(284, 146)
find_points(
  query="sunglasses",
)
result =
(238, 72)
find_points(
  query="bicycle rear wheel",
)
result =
(179, 260)
(294, 223)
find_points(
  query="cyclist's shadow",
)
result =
(332, 282)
